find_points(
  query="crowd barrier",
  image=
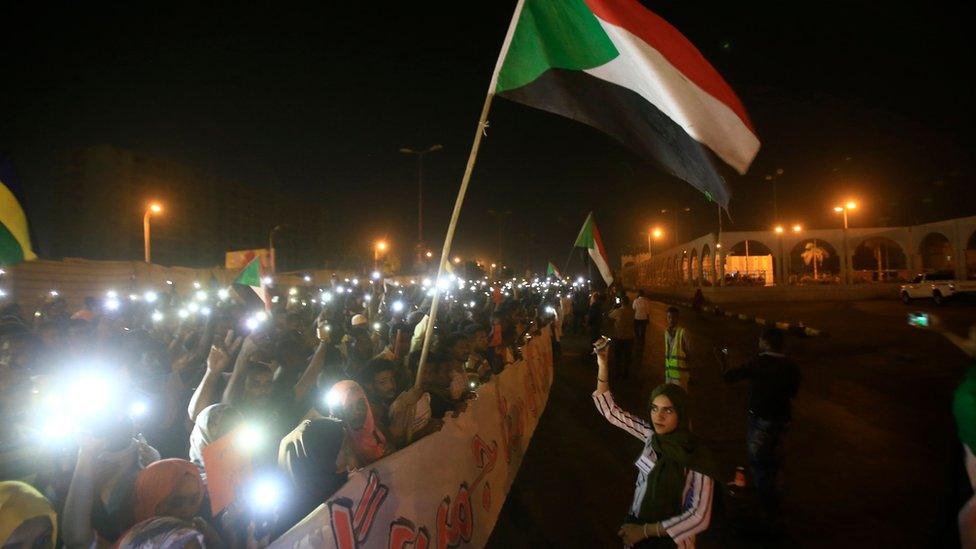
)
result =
(448, 488)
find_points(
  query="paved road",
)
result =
(872, 458)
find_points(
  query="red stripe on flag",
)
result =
(673, 45)
(599, 244)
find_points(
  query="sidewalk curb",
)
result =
(794, 327)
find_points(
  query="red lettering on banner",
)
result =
(403, 534)
(352, 529)
(455, 523)
(484, 456)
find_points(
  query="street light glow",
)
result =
(155, 207)
(457, 260)
(381, 245)
(838, 209)
(429, 254)
(851, 205)
(657, 233)
(797, 228)
(779, 229)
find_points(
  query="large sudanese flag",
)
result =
(589, 238)
(616, 66)
(15, 244)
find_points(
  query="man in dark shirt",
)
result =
(774, 381)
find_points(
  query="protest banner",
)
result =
(448, 488)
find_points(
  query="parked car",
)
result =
(937, 286)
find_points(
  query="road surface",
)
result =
(871, 458)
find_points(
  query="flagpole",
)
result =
(449, 238)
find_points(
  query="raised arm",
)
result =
(307, 381)
(76, 525)
(217, 362)
(605, 404)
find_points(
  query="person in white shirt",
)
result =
(675, 473)
(642, 316)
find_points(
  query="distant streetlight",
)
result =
(674, 227)
(154, 208)
(783, 265)
(773, 178)
(429, 254)
(271, 248)
(654, 233)
(457, 260)
(847, 207)
(420, 187)
(379, 248)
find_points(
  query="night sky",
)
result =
(851, 99)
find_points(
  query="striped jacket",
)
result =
(696, 508)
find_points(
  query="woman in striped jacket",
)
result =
(673, 497)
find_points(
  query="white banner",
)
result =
(446, 489)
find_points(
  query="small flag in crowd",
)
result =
(589, 238)
(551, 270)
(616, 66)
(15, 244)
(250, 276)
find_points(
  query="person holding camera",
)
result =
(673, 497)
(774, 380)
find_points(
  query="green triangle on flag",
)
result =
(250, 275)
(589, 238)
(551, 270)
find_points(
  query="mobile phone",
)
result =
(919, 320)
(600, 344)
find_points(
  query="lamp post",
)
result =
(772, 178)
(850, 205)
(154, 208)
(377, 249)
(420, 190)
(271, 248)
(674, 227)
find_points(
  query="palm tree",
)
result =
(814, 254)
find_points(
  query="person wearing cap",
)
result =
(359, 346)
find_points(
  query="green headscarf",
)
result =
(676, 451)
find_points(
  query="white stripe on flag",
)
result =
(643, 70)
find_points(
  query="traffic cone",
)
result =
(740, 477)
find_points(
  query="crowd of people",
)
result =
(110, 412)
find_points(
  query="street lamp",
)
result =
(783, 264)
(674, 227)
(380, 247)
(271, 248)
(773, 178)
(154, 208)
(847, 207)
(420, 189)
(654, 233)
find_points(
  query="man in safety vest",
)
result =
(676, 368)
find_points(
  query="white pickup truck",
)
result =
(937, 286)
